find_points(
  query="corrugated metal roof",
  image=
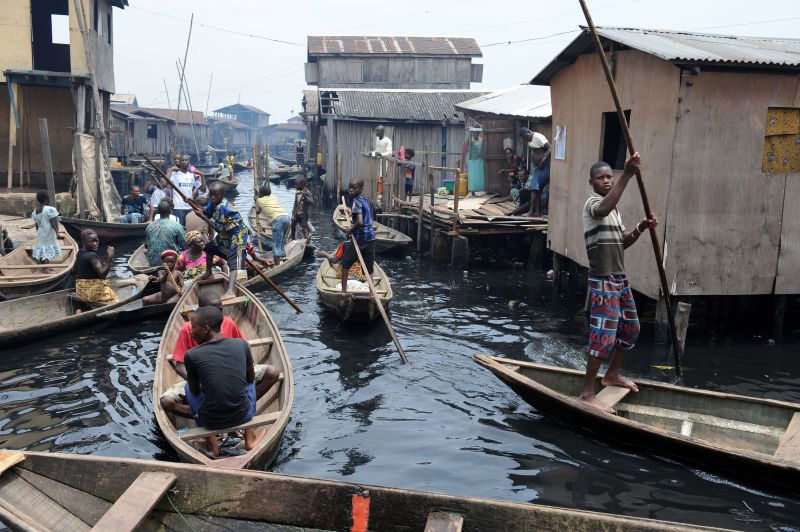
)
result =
(686, 47)
(386, 45)
(184, 118)
(527, 101)
(396, 105)
(238, 108)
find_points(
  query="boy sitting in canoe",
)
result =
(171, 283)
(614, 322)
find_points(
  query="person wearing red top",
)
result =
(173, 399)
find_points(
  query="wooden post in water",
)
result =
(456, 192)
(255, 198)
(421, 189)
(48, 162)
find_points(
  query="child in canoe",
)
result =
(171, 283)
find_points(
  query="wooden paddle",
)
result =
(374, 293)
(645, 202)
(203, 217)
(172, 279)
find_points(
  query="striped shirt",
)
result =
(603, 239)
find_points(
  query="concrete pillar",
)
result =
(460, 252)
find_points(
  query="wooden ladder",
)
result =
(133, 506)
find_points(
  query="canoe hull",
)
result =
(11, 288)
(106, 231)
(53, 303)
(352, 306)
(738, 462)
(84, 487)
(387, 240)
(255, 322)
(138, 263)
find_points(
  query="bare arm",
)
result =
(251, 373)
(641, 227)
(102, 268)
(53, 224)
(194, 382)
(609, 202)
(180, 369)
(359, 223)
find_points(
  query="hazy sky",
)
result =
(232, 39)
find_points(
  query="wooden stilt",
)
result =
(778, 317)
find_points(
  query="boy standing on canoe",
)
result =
(614, 323)
(361, 230)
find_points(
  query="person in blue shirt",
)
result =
(540, 174)
(132, 208)
(361, 231)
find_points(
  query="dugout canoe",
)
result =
(757, 438)
(387, 240)
(295, 250)
(137, 311)
(229, 184)
(28, 319)
(106, 231)
(266, 344)
(138, 263)
(70, 492)
(353, 306)
(22, 276)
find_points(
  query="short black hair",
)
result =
(597, 166)
(86, 234)
(216, 185)
(301, 182)
(210, 316)
(208, 298)
(410, 152)
(164, 208)
(264, 190)
(42, 196)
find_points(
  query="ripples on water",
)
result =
(441, 423)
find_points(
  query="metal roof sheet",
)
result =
(528, 101)
(388, 45)
(397, 105)
(238, 108)
(685, 47)
(185, 117)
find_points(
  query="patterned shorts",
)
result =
(614, 323)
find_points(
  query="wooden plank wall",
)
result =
(649, 87)
(725, 214)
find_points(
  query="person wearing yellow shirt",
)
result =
(278, 219)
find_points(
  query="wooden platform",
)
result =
(477, 215)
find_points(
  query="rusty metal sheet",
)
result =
(782, 141)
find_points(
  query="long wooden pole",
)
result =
(48, 161)
(677, 351)
(211, 226)
(377, 299)
(255, 199)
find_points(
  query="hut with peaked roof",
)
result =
(717, 120)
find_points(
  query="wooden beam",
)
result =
(260, 341)
(234, 301)
(444, 522)
(133, 507)
(789, 446)
(257, 421)
(48, 161)
(612, 395)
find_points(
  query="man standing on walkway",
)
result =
(383, 144)
(614, 323)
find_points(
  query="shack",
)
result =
(230, 134)
(425, 120)
(44, 73)
(717, 119)
(190, 129)
(282, 138)
(248, 115)
(498, 116)
(135, 132)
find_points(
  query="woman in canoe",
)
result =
(192, 261)
(46, 248)
(91, 284)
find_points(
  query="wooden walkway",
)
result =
(482, 214)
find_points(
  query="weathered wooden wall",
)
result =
(395, 72)
(730, 228)
(351, 138)
(649, 87)
(724, 229)
(129, 137)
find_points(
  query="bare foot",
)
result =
(594, 402)
(206, 276)
(619, 380)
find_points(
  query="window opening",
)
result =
(613, 147)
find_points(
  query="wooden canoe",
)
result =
(272, 410)
(229, 184)
(106, 231)
(22, 276)
(70, 492)
(758, 438)
(387, 240)
(138, 263)
(355, 306)
(38, 317)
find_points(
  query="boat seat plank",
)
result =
(444, 522)
(9, 459)
(53, 265)
(133, 506)
(612, 395)
(789, 446)
(257, 421)
(33, 506)
(255, 342)
(234, 301)
(704, 419)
